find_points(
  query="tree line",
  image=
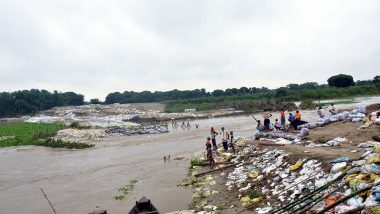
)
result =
(31, 101)
(34, 100)
(339, 81)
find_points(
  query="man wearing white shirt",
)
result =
(224, 136)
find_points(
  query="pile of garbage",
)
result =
(81, 135)
(280, 181)
(137, 130)
(97, 115)
(273, 181)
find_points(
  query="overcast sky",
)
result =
(96, 47)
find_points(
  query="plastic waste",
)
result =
(373, 158)
(295, 166)
(341, 159)
(370, 168)
(355, 201)
(338, 166)
(376, 195)
(353, 170)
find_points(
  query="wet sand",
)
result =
(78, 181)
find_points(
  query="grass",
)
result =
(38, 134)
(196, 162)
(124, 191)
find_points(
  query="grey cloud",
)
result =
(97, 47)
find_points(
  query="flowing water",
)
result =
(78, 181)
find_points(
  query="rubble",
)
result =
(269, 180)
(94, 122)
(152, 129)
(80, 135)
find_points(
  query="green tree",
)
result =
(95, 101)
(217, 93)
(341, 80)
(281, 92)
(376, 80)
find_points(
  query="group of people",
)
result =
(183, 125)
(294, 120)
(227, 139)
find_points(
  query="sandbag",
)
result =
(319, 124)
(356, 119)
(362, 109)
(334, 118)
(304, 132)
(312, 125)
(320, 120)
(345, 114)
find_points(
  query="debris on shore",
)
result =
(95, 122)
(287, 179)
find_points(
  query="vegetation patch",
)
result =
(38, 134)
(196, 162)
(124, 191)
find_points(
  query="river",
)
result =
(78, 181)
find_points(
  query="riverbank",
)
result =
(268, 174)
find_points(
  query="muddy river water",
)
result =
(78, 181)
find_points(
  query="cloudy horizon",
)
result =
(96, 47)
